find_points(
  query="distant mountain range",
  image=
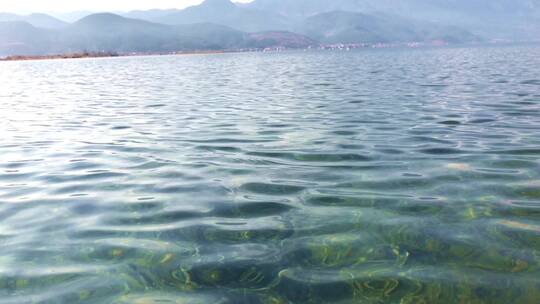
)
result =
(223, 12)
(223, 25)
(37, 20)
(106, 32)
(493, 19)
(349, 27)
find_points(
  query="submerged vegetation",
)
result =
(370, 177)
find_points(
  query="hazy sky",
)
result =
(62, 6)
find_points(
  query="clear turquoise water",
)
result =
(384, 176)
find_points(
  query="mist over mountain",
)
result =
(434, 9)
(37, 20)
(223, 25)
(149, 15)
(297, 16)
(349, 27)
(222, 12)
(74, 16)
(19, 37)
(510, 19)
(107, 32)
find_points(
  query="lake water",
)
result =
(370, 176)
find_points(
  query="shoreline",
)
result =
(80, 55)
(87, 55)
(331, 47)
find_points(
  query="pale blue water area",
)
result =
(371, 176)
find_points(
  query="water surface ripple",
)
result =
(384, 176)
